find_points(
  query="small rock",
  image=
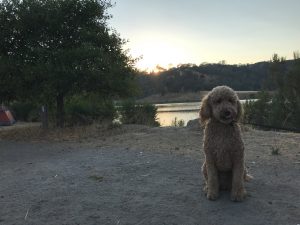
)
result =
(194, 124)
(96, 178)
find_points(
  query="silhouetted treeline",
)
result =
(192, 78)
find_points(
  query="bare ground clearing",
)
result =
(139, 175)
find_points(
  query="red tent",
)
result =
(6, 117)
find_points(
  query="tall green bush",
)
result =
(133, 113)
(276, 111)
(25, 111)
(82, 110)
(257, 112)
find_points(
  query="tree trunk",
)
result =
(60, 110)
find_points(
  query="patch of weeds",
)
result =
(96, 178)
(275, 150)
(177, 123)
(115, 124)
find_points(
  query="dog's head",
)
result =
(222, 104)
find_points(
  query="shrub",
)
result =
(286, 103)
(177, 123)
(275, 150)
(278, 111)
(81, 110)
(133, 113)
(258, 112)
(25, 111)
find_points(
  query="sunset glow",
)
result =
(238, 32)
(157, 52)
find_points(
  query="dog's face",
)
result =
(224, 108)
(221, 103)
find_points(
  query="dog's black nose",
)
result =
(227, 113)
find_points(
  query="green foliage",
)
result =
(286, 103)
(275, 150)
(133, 113)
(276, 111)
(193, 78)
(82, 110)
(177, 123)
(73, 51)
(257, 112)
(25, 111)
(277, 69)
(283, 109)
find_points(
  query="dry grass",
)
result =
(78, 133)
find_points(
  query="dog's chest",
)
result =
(223, 137)
(223, 159)
(223, 144)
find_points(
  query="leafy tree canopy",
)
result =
(52, 49)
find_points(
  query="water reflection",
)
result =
(166, 118)
(181, 111)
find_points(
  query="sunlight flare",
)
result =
(158, 54)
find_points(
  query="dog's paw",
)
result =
(212, 195)
(238, 196)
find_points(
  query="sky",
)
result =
(168, 33)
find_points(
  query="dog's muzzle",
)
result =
(227, 116)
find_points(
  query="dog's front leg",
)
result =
(212, 181)
(238, 192)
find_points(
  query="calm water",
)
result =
(181, 111)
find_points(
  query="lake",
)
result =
(181, 111)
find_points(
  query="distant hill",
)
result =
(193, 78)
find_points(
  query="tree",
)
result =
(50, 50)
(285, 104)
(291, 93)
(281, 109)
(277, 72)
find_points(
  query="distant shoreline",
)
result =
(188, 97)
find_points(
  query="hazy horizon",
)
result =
(239, 32)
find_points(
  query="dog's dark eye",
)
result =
(218, 101)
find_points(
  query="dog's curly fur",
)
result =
(224, 167)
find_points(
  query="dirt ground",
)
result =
(140, 175)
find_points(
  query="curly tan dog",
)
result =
(224, 167)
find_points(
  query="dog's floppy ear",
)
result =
(205, 110)
(239, 111)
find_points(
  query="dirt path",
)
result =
(143, 176)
